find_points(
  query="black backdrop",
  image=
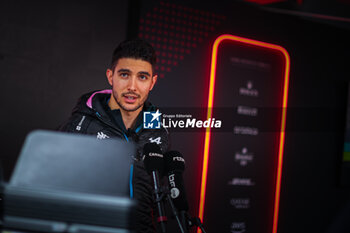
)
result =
(50, 53)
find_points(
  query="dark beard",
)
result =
(130, 110)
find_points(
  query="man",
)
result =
(119, 113)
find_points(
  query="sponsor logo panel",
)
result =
(238, 227)
(241, 182)
(247, 111)
(240, 203)
(246, 130)
(249, 90)
(244, 156)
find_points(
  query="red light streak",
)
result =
(209, 114)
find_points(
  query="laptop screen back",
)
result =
(74, 162)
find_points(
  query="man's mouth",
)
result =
(130, 99)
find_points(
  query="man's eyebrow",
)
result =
(144, 73)
(123, 70)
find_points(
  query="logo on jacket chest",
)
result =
(101, 135)
(156, 140)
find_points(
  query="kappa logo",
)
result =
(156, 140)
(101, 135)
(151, 120)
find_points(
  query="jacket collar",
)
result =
(97, 102)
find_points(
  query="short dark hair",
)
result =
(135, 48)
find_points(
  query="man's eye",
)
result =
(143, 77)
(124, 75)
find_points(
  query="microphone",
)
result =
(175, 166)
(154, 165)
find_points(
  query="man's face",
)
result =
(131, 81)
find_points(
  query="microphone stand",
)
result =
(187, 221)
(173, 209)
(158, 199)
(184, 220)
(196, 221)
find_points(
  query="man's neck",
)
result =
(129, 117)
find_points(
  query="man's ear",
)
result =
(154, 80)
(109, 74)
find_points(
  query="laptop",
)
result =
(65, 182)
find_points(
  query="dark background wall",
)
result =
(50, 53)
(311, 196)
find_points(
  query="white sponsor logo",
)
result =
(243, 157)
(172, 180)
(192, 123)
(101, 135)
(249, 91)
(240, 203)
(238, 227)
(156, 140)
(243, 130)
(247, 111)
(241, 182)
(179, 159)
(174, 192)
(155, 155)
(250, 62)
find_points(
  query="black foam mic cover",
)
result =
(174, 161)
(153, 158)
(174, 167)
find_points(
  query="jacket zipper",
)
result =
(110, 125)
(131, 186)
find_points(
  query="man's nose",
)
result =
(132, 84)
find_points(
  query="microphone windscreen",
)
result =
(174, 161)
(153, 158)
(174, 167)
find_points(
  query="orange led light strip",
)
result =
(209, 115)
